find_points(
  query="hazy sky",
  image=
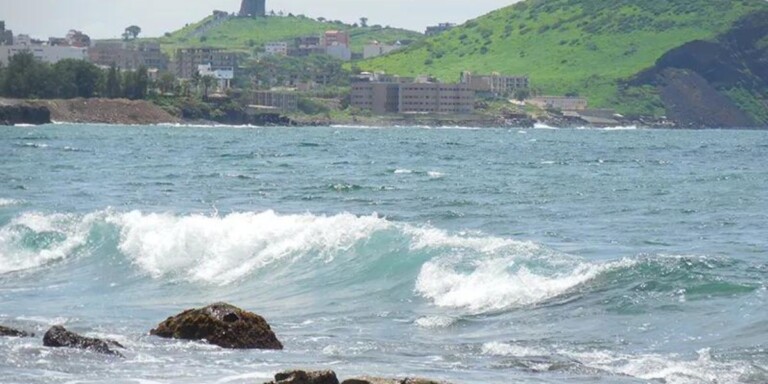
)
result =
(108, 18)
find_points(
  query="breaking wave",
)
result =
(470, 272)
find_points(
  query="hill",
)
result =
(247, 34)
(593, 48)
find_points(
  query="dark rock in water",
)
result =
(304, 377)
(24, 114)
(220, 324)
(10, 332)
(59, 337)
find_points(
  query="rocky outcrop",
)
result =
(10, 332)
(329, 377)
(106, 111)
(305, 377)
(220, 324)
(24, 114)
(59, 337)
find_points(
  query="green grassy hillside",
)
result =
(247, 34)
(585, 47)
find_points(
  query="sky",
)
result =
(108, 18)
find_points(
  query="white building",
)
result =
(278, 48)
(223, 76)
(341, 52)
(45, 53)
(377, 49)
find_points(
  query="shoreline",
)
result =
(142, 112)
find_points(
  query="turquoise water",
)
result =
(475, 256)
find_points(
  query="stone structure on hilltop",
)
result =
(253, 8)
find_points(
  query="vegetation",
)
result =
(585, 47)
(276, 71)
(28, 78)
(249, 34)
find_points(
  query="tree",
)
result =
(112, 86)
(195, 81)
(76, 78)
(522, 94)
(364, 22)
(208, 82)
(167, 82)
(28, 77)
(136, 84)
(132, 32)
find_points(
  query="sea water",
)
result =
(474, 256)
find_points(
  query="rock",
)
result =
(220, 324)
(24, 114)
(59, 337)
(304, 377)
(10, 332)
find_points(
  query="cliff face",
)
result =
(721, 83)
(106, 111)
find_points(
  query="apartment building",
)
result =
(45, 53)
(413, 97)
(187, 60)
(495, 83)
(128, 56)
(277, 48)
(283, 101)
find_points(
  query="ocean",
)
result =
(467, 255)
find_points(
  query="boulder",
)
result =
(10, 332)
(59, 337)
(220, 324)
(305, 377)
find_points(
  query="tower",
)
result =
(253, 8)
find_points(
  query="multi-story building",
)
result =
(341, 52)
(495, 83)
(188, 60)
(45, 53)
(426, 98)
(223, 76)
(278, 48)
(438, 29)
(128, 56)
(331, 38)
(305, 46)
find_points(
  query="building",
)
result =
(187, 60)
(45, 53)
(6, 36)
(341, 52)
(438, 29)
(128, 56)
(223, 76)
(305, 46)
(495, 84)
(253, 8)
(283, 101)
(331, 38)
(562, 103)
(377, 49)
(412, 97)
(279, 48)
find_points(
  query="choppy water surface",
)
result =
(475, 256)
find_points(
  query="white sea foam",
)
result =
(403, 171)
(503, 282)
(672, 369)
(504, 349)
(435, 321)
(57, 235)
(8, 202)
(221, 250)
(435, 175)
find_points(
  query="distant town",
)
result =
(312, 74)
